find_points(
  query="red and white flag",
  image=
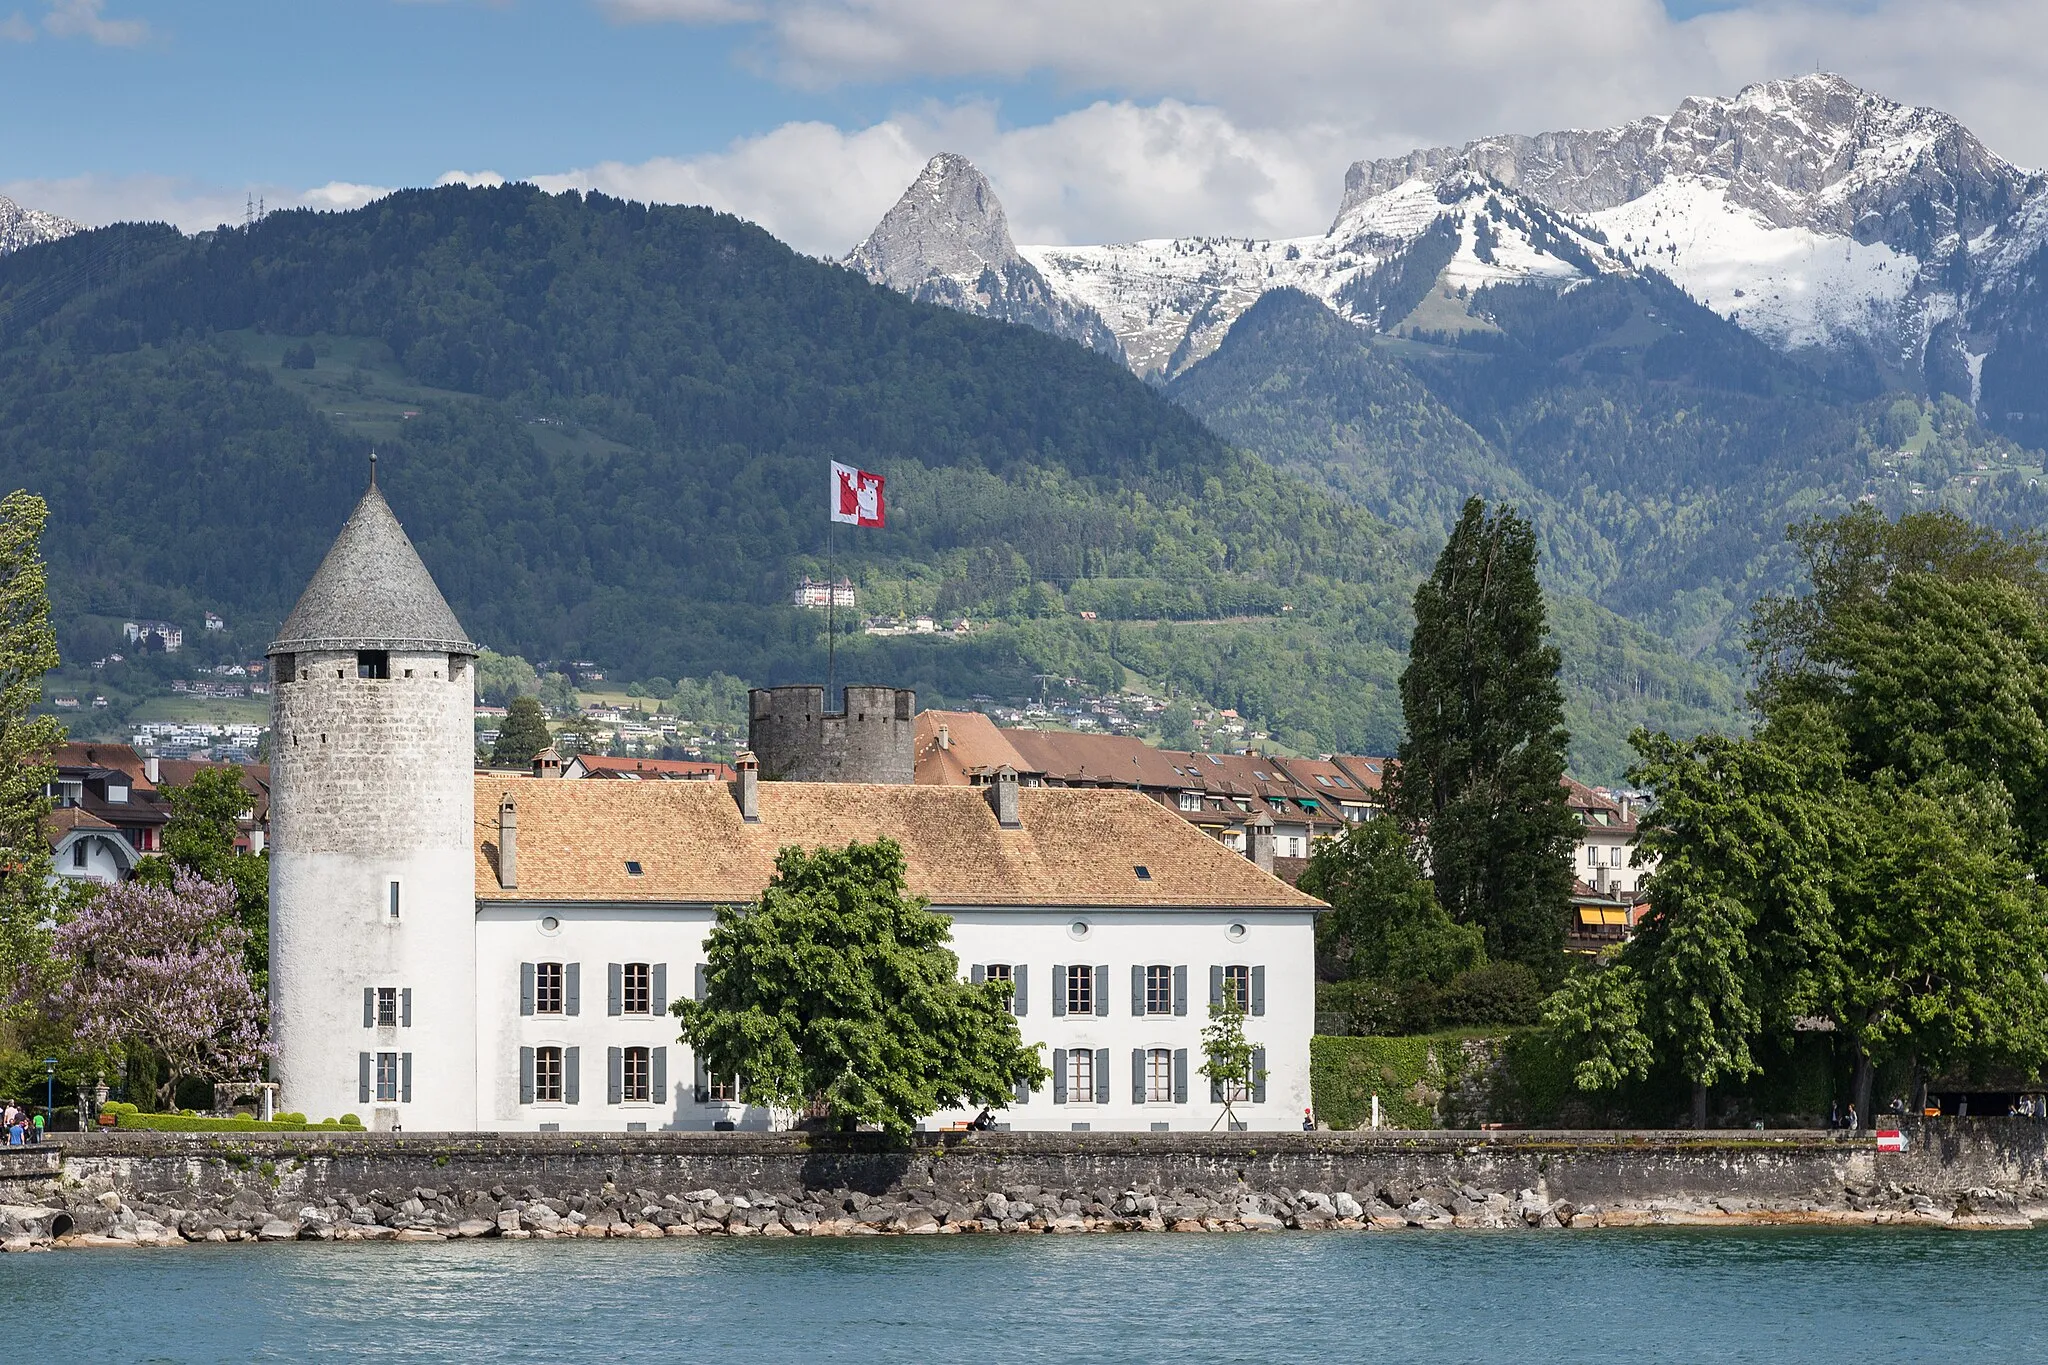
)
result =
(856, 496)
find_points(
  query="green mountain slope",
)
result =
(607, 426)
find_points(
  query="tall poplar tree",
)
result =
(28, 650)
(1483, 762)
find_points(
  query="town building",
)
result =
(109, 810)
(818, 593)
(456, 950)
(609, 767)
(158, 635)
(1608, 892)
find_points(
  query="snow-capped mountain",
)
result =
(20, 227)
(1809, 211)
(946, 241)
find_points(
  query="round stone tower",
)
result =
(372, 871)
(871, 738)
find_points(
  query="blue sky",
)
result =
(1097, 119)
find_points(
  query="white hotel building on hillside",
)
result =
(462, 951)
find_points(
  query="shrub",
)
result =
(1498, 993)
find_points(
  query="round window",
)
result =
(549, 924)
(1235, 933)
(1078, 929)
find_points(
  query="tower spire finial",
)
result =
(373, 469)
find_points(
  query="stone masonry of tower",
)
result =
(871, 739)
(372, 903)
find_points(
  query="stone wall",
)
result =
(175, 1188)
(872, 738)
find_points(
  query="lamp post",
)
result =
(49, 1092)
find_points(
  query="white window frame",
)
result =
(1237, 977)
(643, 1091)
(1158, 996)
(387, 995)
(1159, 1075)
(544, 1057)
(541, 987)
(393, 898)
(386, 1089)
(1080, 1075)
(1080, 988)
(643, 988)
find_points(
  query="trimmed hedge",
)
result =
(130, 1117)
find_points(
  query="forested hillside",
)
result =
(607, 425)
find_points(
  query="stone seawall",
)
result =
(164, 1189)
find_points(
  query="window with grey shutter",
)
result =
(657, 1074)
(1020, 993)
(1102, 992)
(703, 979)
(1180, 991)
(526, 988)
(1059, 1075)
(1137, 1075)
(1258, 990)
(1180, 1075)
(1102, 1075)
(1137, 991)
(1258, 1075)
(700, 1086)
(572, 1088)
(1215, 988)
(363, 1065)
(658, 978)
(405, 1008)
(615, 1074)
(525, 1075)
(1215, 1091)
(405, 1077)
(615, 1000)
(977, 974)
(572, 988)
(369, 1007)
(1059, 994)
(1022, 1093)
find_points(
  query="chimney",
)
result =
(945, 736)
(151, 766)
(747, 791)
(1626, 807)
(1002, 797)
(1261, 829)
(508, 843)
(547, 763)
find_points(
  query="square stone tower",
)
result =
(372, 882)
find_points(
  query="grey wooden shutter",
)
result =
(615, 1074)
(1258, 1075)
(369, 1007)
(1137, 1075)
(1258, 990)
(1180, 1075)
(526, 988)
(657, 1074)
(658, 999)
(364, 1061)
(1059, 990)
(572, 1082)
(572, 989)
(977, 974)
(1020, 993)
(615, 974)
(405, 1077)
(1101, 992)
(1102, 1075)
(1059, 1075)
(1180, 991)
(526, 1075)
(1023, 1093)
(1215, 987)
(405, 1008)
(1138, 991)
(702, 1083)
(703, 979)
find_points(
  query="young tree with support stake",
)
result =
(1230, 1060)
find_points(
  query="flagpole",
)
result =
(831, 611)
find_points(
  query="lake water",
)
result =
(1636, 1295)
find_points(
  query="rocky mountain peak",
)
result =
(20, 227)
(949, 222)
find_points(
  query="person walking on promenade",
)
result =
(1851, 1124)
(35, 1126)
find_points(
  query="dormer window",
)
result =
(373, 663)
(117, 792)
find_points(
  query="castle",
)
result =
(454, 950)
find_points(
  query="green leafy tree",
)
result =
(1229, 1059)
(28, 651)
(1597, 1017)
(1384, 921)
(200, 840)
(524, 734)
(837, 994)
(1484, 758)
(1177, 727)
(501, 677)
(558, 695)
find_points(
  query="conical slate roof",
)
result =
(372, 592)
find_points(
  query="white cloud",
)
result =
(190, 205)
(85, 19)
(340, 194)
(17, 29)
(474, 179)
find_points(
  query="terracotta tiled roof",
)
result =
(62, 821)
(1590, 805)
(973, 745)
(1069, 757)
(604, 765)
(1075, 848)
(120, 758)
